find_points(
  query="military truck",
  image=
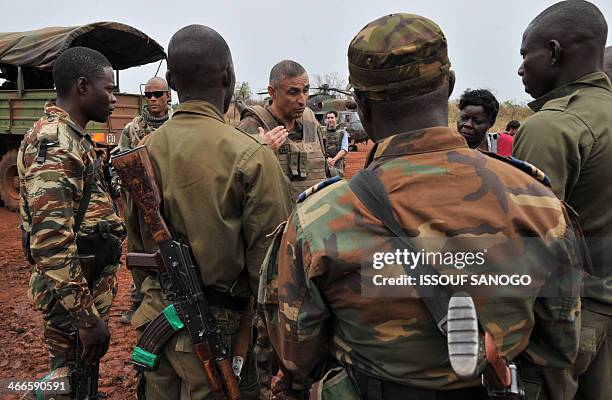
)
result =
(26, 65)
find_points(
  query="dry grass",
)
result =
(507, 112)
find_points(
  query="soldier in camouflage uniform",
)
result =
(312, 293)
(336, 144)
(154, 114)
(59, 168)
(570, 139)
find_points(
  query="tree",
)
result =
(242, 92)
(332, 79)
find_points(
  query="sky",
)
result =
(484, 36)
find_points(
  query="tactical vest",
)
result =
(333, 144)
(302, 161)
(333, 141)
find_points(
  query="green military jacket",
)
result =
(570, 139)
(314, 296)
(222, 192)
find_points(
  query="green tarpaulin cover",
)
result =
(123, 45)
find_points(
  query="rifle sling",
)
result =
(84, 203)
(372, 193)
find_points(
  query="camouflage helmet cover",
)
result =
(398, 55)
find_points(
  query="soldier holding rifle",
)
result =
(221, 193)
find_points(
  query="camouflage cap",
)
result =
(398, 54)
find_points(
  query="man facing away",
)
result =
(608, 62)
(318, 318)
(570, 139)
(223, 192)
(67, 212)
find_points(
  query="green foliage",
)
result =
(242, 92)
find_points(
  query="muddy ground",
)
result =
(22, 354)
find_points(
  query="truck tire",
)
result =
(9, 180)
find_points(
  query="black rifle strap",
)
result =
(371, 192)
(89, 179)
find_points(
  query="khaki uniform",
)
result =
(302, 157)
(222, 192)
(570, 139)
(131, 135)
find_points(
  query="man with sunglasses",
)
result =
(154, 114)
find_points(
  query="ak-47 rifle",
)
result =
(83, 377)
(136, 173)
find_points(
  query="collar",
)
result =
(200, 107)
(428, 140)
(596, 79)
(297, 124)
(52, 109)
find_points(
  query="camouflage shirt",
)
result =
(137, 129)
(51, 188)
(439, 188)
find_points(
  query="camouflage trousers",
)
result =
(588, 378)
(57, 317)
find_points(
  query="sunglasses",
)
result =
(156, 94)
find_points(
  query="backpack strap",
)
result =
(84, 203)
(262, 115)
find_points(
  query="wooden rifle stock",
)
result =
(145, 260)
(496, 372)
(136, 172)
(137, 176)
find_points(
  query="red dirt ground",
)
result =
(22, 353)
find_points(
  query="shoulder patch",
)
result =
(524, 166)
(323, 184)
(48, 128)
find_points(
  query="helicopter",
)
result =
(325, 100)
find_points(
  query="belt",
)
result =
(372, 388)
(213, 296)
(224, 300)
